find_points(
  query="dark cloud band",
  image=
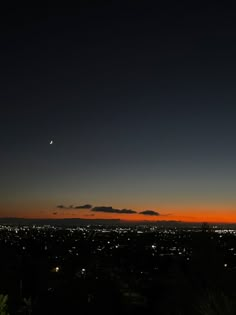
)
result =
(112, 210)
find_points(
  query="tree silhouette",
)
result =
(28, 305)
(215, 303)
(3, 304)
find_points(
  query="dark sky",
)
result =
(139, 99)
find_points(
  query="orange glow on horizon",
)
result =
(185, 216)
(211, 213)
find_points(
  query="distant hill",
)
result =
(59, 222)
(80, 221)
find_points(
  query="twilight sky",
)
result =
(140, 101)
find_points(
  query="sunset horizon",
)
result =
(126, 109)
(189, 217)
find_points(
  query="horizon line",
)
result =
(117, 220)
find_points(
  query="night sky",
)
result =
(139, 100)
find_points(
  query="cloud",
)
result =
(149, 212)
(87, 206)
(112, 210)
(129, 211)
(108, 209)
(65, 207)
(61, 207)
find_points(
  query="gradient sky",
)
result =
(140, 101)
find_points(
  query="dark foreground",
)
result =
(118, 270)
